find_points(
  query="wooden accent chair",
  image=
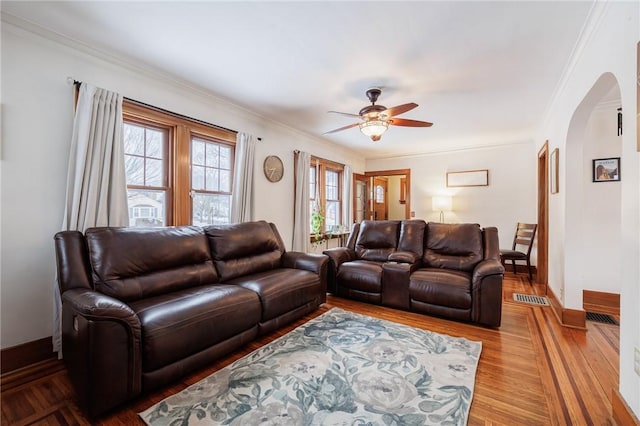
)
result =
(522, 244)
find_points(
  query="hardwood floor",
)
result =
(531, 372)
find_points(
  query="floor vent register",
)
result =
(531, 299)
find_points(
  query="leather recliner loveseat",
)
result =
(143, 307)
(446, 270)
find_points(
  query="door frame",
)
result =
(543, 216)
(396, 172)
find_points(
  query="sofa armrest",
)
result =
(404, 257)
(101, 349)
(308, 261)
(337, 256)
(486, 289)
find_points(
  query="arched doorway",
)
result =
(592, 226)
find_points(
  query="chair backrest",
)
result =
(525, 233)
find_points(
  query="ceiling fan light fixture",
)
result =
(374, 128)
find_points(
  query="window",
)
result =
(325, 192)
(179, 171)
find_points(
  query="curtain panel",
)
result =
(96, 183)
(301, 233)
(242, 195)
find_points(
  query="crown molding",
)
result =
(591, 24)
(10, 21)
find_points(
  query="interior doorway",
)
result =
(389, 194)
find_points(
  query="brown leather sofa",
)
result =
(446, 270)
(143, 307)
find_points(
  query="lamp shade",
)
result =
(442, 204)
(374, 128)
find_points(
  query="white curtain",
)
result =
(347, 197)
(96, 182)
(301, 202)
(242, 196)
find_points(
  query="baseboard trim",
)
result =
(601, 302)
(16, 378)
(520, 269)
(20, 356)
(620, 410)
(572, 318)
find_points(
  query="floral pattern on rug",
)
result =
(340, 368)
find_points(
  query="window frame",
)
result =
(322, 167)
(178, 159)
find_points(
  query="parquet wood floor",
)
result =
(532, 371)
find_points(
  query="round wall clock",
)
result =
(273, 168)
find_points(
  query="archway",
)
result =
(592, 210)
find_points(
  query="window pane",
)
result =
(225, 180)
(133, 139)
(197, 152)
(154, 173)
(155, 143)
(210, 209)
(332, 217)
(212, 155)
(197, 177)
(211, 179)
(225, 157)
(134, 169)
(379, 194)
(312, 183)
(332, 186)
(146, 208)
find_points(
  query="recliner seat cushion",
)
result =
(182, 323)
(281, 290)
(361, 275)
(441, 287)
(135, 263)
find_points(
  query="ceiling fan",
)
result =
(377, 118)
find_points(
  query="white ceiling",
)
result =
(483, 72)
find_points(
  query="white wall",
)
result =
(510, 197)
(601, 205)
(608, 45)
(37, 108)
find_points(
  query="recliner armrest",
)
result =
(308, 261)
(339, 255)
(404, 257)
(101, 343)
(486, 268)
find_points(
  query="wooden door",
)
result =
(380, 205)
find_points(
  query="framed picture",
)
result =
(555, 163)
(606, 169)
(468, 178)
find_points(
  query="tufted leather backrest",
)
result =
(377, 239)
(244, 248)
(133, 263)
(453, 246)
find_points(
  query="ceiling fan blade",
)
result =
(409, 123)
(400, 109)
(348, 114)
(341, 128)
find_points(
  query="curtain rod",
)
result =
(297, 151)
(77, 83)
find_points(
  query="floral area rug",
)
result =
(340, 368)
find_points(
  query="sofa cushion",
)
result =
(361, 275)
(441, 287)
(182, 323)
(281, 290)
(134, 263)
(377, 239)
(453, 246)
(244, 248)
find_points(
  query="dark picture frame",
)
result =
(606, 169)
